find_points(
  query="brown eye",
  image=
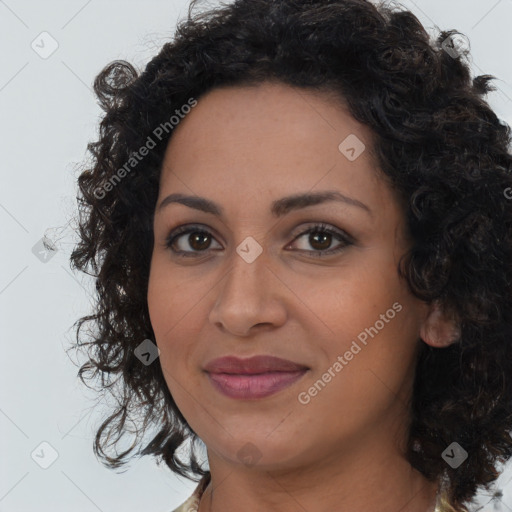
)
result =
(198, 240)
(320, 238)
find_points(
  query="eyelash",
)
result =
(316, 228)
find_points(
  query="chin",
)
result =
(262, 451)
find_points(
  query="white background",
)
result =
(47, 115)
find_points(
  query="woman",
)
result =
(299, 223)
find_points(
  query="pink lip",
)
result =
(252, 365)
(253, 386)
(256, 377)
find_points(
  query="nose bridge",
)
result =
(244, 297)
(247, 274)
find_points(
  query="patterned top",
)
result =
(192, 504)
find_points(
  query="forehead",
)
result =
(269, 140)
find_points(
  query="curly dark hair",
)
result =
(437, 141)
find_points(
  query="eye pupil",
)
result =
(193, 238)
(319, 234)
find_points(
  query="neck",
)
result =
(373, 480)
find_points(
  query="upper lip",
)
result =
(252, 365)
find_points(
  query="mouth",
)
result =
(253, 378)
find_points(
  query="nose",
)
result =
(250, 297)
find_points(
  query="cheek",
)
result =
(350, 300)
(176, 317)
(369, 316)
(170, 298)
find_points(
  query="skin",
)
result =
(244, 147)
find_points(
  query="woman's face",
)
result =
(258, 283)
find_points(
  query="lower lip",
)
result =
(253, 386)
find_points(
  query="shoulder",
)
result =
(192, 504)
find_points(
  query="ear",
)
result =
(439, 329)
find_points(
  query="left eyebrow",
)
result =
(278, 208)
